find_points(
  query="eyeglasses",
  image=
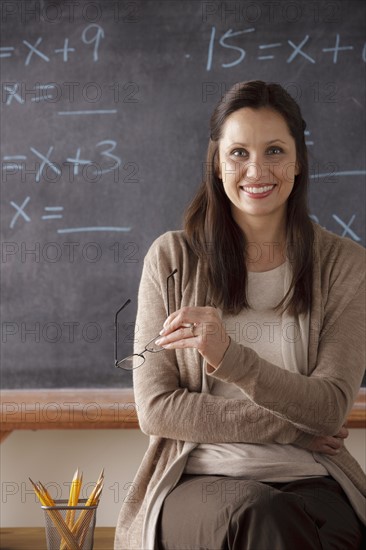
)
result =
(138, 359)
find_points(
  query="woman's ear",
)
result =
(218, 170)
(297, 168)
(217, 165)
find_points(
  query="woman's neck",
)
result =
(266, 243)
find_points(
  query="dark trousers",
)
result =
(222, 513)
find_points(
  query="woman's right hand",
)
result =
(329, 445)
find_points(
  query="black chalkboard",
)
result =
(104, 127)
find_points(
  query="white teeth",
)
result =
(257, 190)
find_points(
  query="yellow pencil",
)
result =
(87, 515)
(69, 541)
(80, 527)
(99, 483)
(73, 497)
(43, 494)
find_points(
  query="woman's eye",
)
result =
(239, 153)
(275, 150)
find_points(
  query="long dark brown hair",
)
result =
(217, 239)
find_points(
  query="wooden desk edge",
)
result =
(92, 409)
(67, 409)
(18, 538)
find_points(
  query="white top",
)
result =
(267, 332)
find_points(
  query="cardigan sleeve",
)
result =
(168, 409)
(317, 404)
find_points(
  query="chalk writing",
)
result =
(346, 226)
(9, 159)
(307, 141)
(65, 50)
(108, 153)
(89, 112)
(343, 173)
(53, 216)
(228, 34)
(299, 49)
(91, 35)
(93, 38)
(45, 163)
(21, 214)
(265, 47)
(70, 92)
(337, 49)
(51, 171)
(95, 228)
(6, 51)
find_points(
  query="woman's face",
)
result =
(257, 164)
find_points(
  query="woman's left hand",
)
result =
(196, 327)
(329, 444)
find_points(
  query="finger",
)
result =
(172, 341)
(343, 433)
(178, 336)
(185, 330)
(334, 442)
(329, 451)
(168, 321)
(182, 317)
(185, 316)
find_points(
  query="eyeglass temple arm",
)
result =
(116, 329)
(122, 307)
(167, 288)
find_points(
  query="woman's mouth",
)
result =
(257, 191)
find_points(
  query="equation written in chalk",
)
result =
(334, 50)
(40, 166)
(37, 51)
(22, 215)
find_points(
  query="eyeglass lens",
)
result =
(136, 360)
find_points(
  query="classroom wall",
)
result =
(53, 456)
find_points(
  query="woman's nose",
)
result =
(253, 171)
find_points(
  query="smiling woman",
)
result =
(253, 168)
(260, 356)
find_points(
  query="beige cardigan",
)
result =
(287, 407)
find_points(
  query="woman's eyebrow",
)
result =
(242, 144)
(275, 140)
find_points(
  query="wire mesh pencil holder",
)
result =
(70, 527)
